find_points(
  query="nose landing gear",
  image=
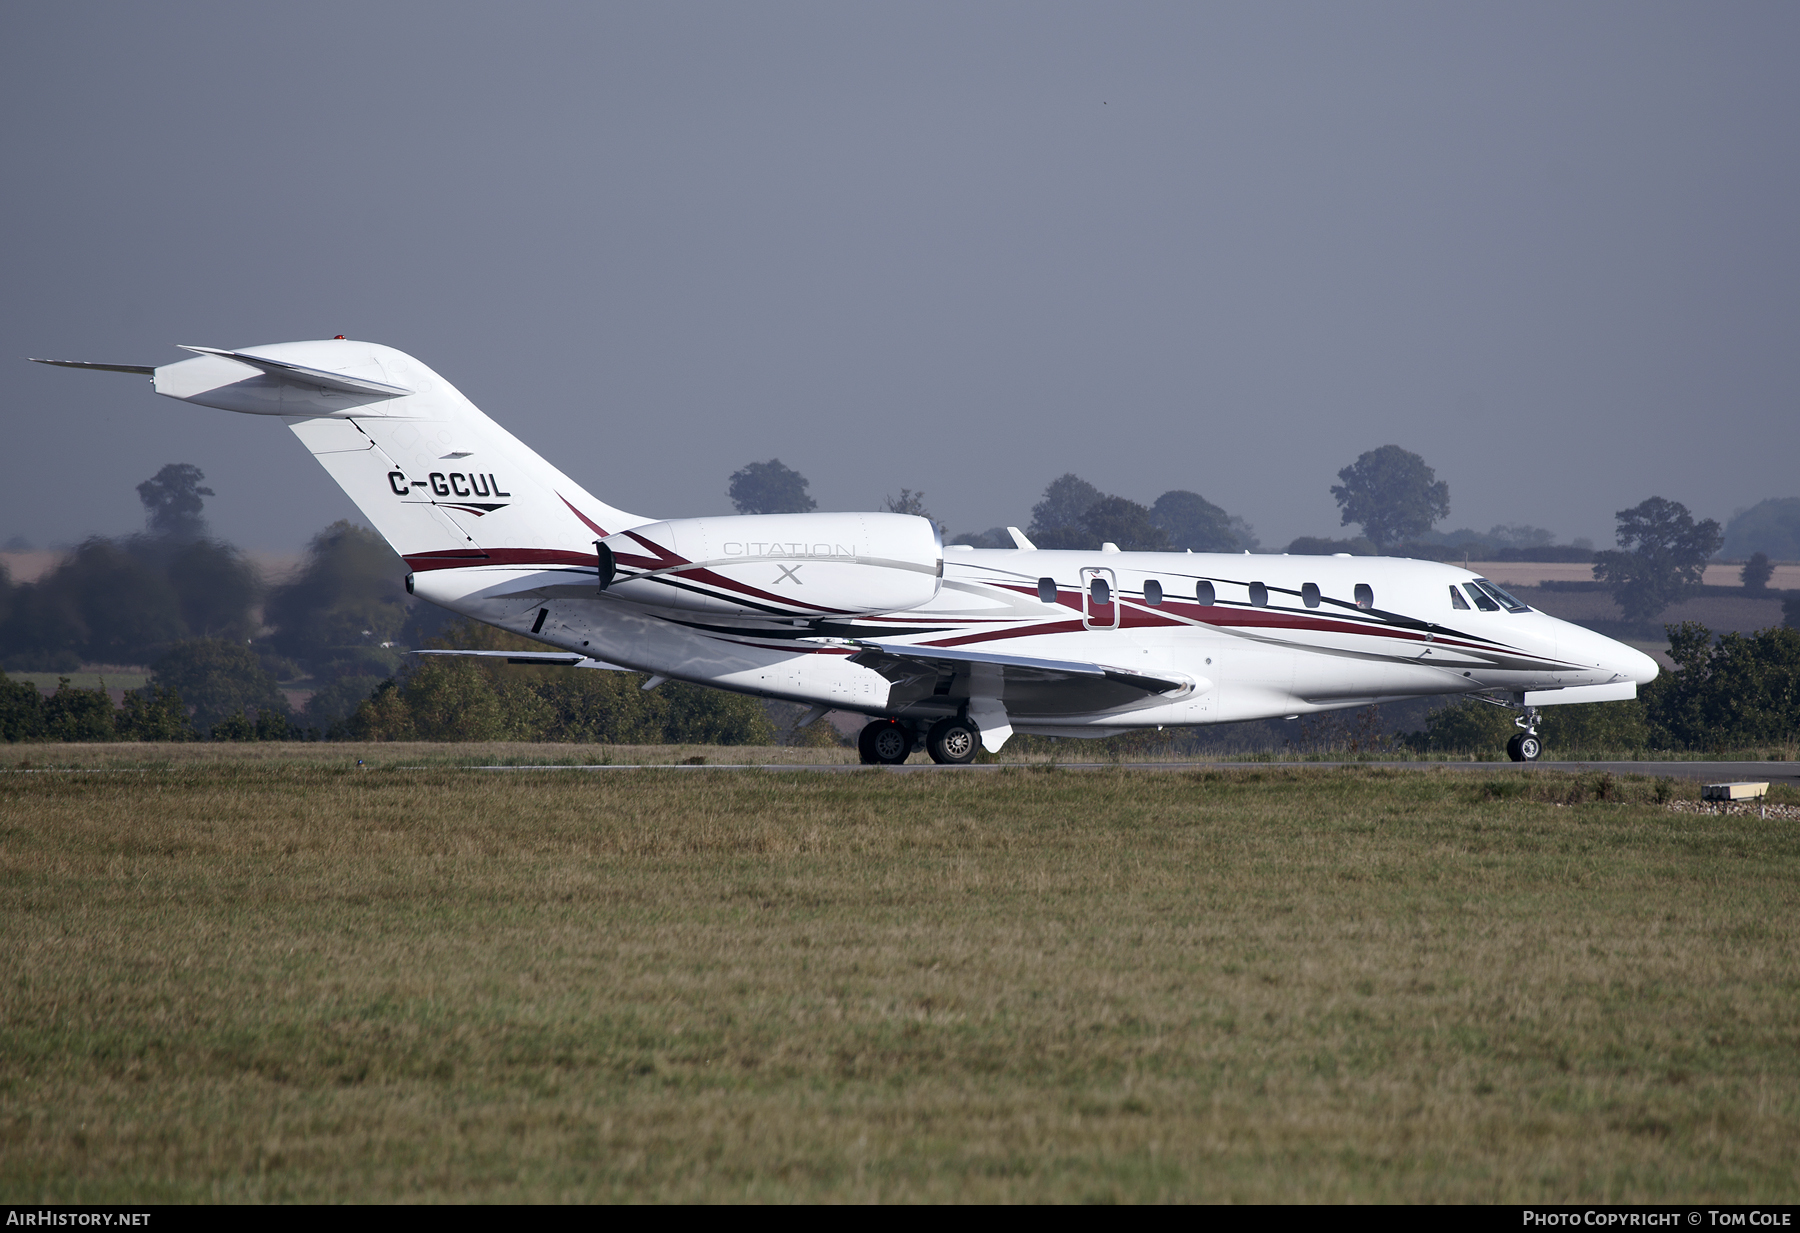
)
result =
(1525, 746)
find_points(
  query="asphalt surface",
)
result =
(1772, 773)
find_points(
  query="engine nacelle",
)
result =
(807, 566)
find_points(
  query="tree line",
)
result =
(220, 643)
(1726, 692)
(1390, 494)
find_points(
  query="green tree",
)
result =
(1595, 727)
(700, 715)
(155, 713)
(1771, 527)
(1314, 546)
(455, 700)
(908, 502)
(347, 599)
(336, 701)
(993, 537)
(442, 698)
(21, 711)
(218, 679)
(75, 714)
(1661, 558)
(383, 716)
(770, 488)
(1756, 572)
(99, 605)
(1191, 521)
(1392, 495)
(1116, 520)
(913, 503)
(216, 587)
(1465, 726)
(1736, 690)
(172, 500)
(1058, 521)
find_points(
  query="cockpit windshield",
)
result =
(1483, 600)
(1506, 601)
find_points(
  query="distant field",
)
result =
(1721, 614)
(272, 977)
(115, 682)
(1786, 574)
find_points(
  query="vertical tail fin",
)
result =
(441, 482)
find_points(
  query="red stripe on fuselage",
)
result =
(593, 526)
(1264, 618)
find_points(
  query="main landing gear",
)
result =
(952, 741)
(887, 742)
(1525, 746)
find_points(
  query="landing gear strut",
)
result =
(1525, 746)
(885, 742)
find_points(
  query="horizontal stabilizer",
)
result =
(143, 370)
(302, 375)
(561, 659)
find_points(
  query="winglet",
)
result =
(1019, 539)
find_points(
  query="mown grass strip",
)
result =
(267, 981)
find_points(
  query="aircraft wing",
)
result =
(885, 657)
(563, 659)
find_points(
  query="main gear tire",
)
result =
(884, 743)
(1524, 747)
(952, 742)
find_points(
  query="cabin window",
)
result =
(1100, 593)
(1365, 595)
(1501, 597)
(1153, 593)
(1309, 594)
(1259, 595)
(1047, 590)
(1456, 599)
(1482, 599)
(1204, 593)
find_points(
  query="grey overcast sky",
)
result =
(953, 247)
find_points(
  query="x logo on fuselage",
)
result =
(788, 575)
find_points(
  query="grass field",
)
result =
(260, 976)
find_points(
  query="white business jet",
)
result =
(949, 648)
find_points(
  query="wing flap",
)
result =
(877, 655)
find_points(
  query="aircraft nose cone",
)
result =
(1640, 667)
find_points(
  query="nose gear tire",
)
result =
(1525, 747)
